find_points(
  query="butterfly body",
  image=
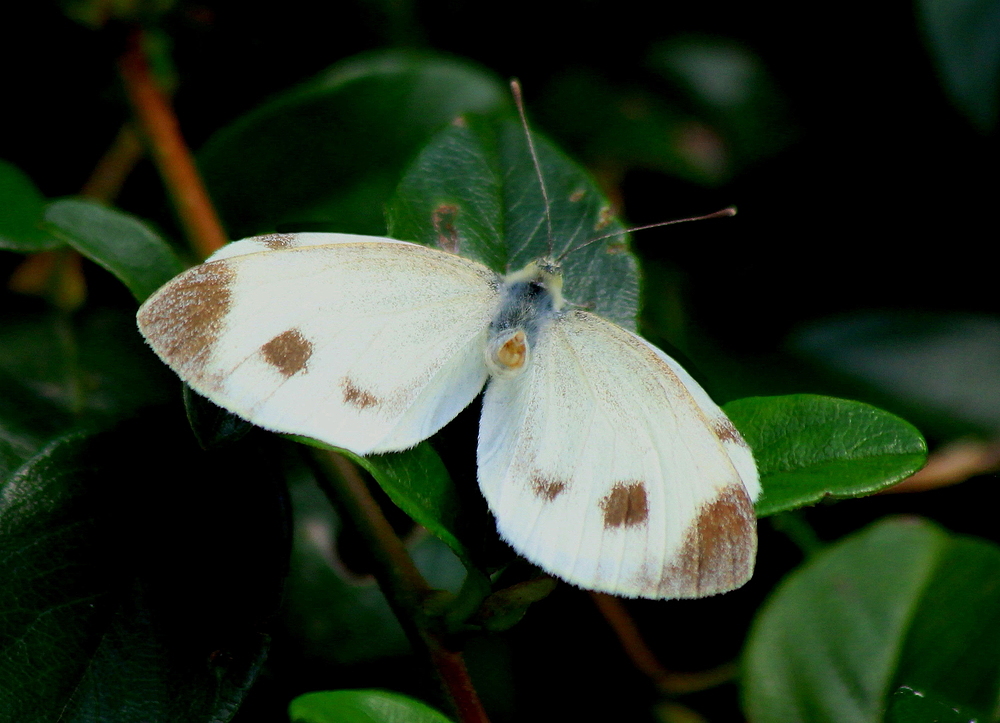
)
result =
(604, 462)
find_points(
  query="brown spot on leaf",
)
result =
(577, 195)
(626, 505)
(459, 121)
(547, 488)
(278, 241)
(443, 219)
(726, 432)
(604, 217)
(719, 548)
(288, 352)
(183, 320)
(358, 397)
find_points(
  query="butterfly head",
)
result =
(529, 299)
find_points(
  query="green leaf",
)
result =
(917, 706)
(418, 483)
(733, 92)
(940, 367)
(361, 706)
(57, 372)
(809, 448)
(964, 39)
(22, 208)
(474, 191)
(126, 602)
(328, 154)
(338, 614)
(901, 604)
(120, 243)
(615, 127)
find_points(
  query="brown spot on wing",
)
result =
(278, 241)
(288, 352)
(726, 432)
(626, 505)
(719, 548)
(546, 487)
(183, 320)
(357, 397)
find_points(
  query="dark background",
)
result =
(873, 192)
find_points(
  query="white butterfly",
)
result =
(603, 461)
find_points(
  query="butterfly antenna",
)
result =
(730, 211)
(515, 87)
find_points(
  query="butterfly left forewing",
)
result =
(364, 343)
(610, 470)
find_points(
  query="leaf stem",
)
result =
(646, 662)
(173, 159)
(400, 580)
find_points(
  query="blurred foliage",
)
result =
(145, 578)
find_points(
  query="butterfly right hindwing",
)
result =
(604, 469)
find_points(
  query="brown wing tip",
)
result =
(718, 551)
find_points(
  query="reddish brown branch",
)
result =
(108, 176)
(645, 661)
(405, 588)
(170, 153)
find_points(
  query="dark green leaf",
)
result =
(901, 603)
(22, 208)
(907, 705)
(338, 614)
(474, 191)
(361, 706)
(944, 367)
(122, 244)
(615, 128)
(212, 425)
(735, 97)
(327, 155)
(952, 642)
(809, 448)
(418, 483)
(964, 38)
(59, 371)
(135, 603)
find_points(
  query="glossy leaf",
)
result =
(22, 208)
(474, 191)
(127, 602)
(901, 604)
(809, 448)
(120, 243)
(328, 154)
(361, 706)
(336, 613)
(418, 483)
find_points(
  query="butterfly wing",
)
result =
(364, 343)
(606, 464)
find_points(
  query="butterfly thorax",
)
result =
(529, 299)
